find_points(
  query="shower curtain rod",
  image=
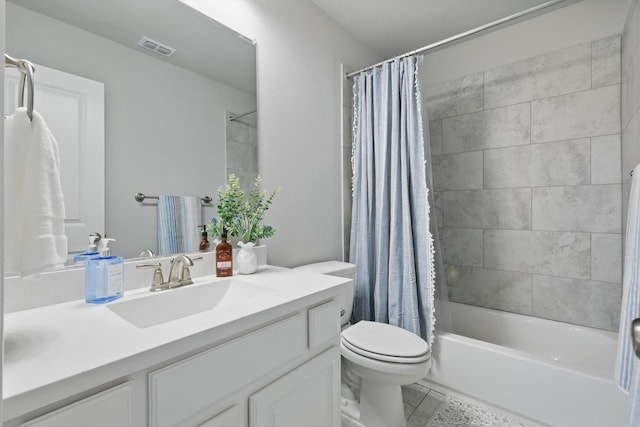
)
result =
(463, 35)
(237, 116)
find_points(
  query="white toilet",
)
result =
(383, 357)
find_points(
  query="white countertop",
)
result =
(55, 351)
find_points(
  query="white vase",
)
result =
(246, 260)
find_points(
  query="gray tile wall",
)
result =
(630, 104)
(242, 149)
(527, 174)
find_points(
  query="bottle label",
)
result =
(115, 278)
(224, 264)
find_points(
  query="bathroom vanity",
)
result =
(247, 351)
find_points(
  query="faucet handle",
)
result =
(187, 257)
(186, 273)
(158, 278)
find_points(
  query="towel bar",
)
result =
(140, 198)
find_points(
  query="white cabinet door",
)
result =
(184, 391)
(73, 109)
(308, 396)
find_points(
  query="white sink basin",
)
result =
(160, 307)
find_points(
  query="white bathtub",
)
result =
(551, 372)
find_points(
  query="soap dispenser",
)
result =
(224, 257)
(204, 241)
(104, 276)
(92, 251)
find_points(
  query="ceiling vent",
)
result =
(156, 47)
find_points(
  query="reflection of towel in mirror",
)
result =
(178, 220)
(34, 239)
(627, 373)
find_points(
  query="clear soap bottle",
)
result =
(92, 250)
(104, 276)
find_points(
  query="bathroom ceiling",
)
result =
(207, 48)
(393, 27)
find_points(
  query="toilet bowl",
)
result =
(381, 357)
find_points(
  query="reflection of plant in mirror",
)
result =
(242, 217)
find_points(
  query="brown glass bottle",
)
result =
(224, 258)
(204, 242)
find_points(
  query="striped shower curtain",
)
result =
(391, 242)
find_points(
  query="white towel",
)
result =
(178, 221)
(35, 239)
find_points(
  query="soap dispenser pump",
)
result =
(104, 276)
(92, 250)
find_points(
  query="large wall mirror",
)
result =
(166, 119)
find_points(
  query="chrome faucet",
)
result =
(146, 253)
(179, 274)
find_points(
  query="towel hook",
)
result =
(27, 70)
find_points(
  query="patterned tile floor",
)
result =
(422, 403)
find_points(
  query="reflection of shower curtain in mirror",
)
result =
(391, 241)
(178, 220)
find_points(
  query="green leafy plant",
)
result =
(242, 216)
(249, 222)
(230, 200)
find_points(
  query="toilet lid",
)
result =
(385, 342)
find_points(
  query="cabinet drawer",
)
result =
(324, 324)
(187, 388)
(112, 407)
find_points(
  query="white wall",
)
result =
(164, 125)
(299, 102)
(577, 23)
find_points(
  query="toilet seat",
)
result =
(385, 343)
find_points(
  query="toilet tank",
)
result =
(339, 269)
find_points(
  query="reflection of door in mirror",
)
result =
(73, 108)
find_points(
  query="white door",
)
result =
(308, 396)
(73, 108)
